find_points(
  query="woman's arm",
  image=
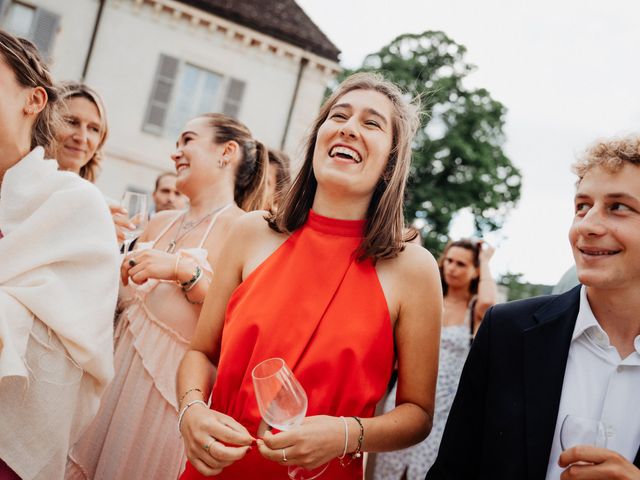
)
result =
(487, 288)
(418, 306)
(199, 425)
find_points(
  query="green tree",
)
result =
(519, 289)
(458, 160)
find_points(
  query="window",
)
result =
(196, 93)
(19, 19)
(33, 23)
(182, 91)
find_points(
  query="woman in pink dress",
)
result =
(222, 170)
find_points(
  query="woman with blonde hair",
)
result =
(58, 280)
(222, 170)
(328, 285)
(84, 131)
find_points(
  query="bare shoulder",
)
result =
(258, 241)
(252, 227)
(414, 264)
(410, 276)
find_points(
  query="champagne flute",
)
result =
(136, 206)
(283, 404)
(582, 431)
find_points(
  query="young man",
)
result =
(166, 196)
(538, 360)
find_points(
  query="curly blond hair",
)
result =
(610, 154)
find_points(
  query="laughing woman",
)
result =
(327, 284)
(220, 168)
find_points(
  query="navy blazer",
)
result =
(503, 417)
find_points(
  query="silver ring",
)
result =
(208, 445)
(284, 456)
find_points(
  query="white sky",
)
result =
(568, 72)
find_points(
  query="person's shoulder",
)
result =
(414, 265)
(522, 312)
(415, 260)
(252, 224)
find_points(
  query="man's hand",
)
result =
(586, 462)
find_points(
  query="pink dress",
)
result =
(134, 435)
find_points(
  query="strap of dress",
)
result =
(212, 223)
(166, 229)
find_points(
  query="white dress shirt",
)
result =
(598, 384)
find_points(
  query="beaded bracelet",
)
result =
(189, 284)
(184, 410)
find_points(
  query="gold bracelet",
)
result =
(187, 393)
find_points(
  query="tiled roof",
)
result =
(282, 19)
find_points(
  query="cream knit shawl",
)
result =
(59, 264)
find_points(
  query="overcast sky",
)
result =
(567, 71)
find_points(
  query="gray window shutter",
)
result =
(161, 95)
(45, 27)
(233, 98)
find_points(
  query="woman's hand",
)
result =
(318, 440)
(142, 265)
(486, 252)
(120, 221)
(205, 432)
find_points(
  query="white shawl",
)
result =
(58, 263)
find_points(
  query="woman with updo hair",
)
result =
(58, 280)
(222, 170)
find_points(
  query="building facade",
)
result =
(159, 63)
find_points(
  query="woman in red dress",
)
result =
(329, 285)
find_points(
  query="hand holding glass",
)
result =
(582, 431)
(283, 404)
(136, 206)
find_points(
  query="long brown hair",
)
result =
(31, 71)
(250, 191)
(79, 90)
(468, 244)
(280, 162)
(383, 237)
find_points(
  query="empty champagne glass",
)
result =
(136, 206)
(582, 431)
(283, 404)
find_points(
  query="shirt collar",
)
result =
(586, 323)
(586, 319)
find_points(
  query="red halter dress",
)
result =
(314, 305)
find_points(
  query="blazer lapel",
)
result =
(546, 348)
(636, 461)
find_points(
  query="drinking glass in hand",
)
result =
(283, 404)
(136, 206)
(582, 431)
